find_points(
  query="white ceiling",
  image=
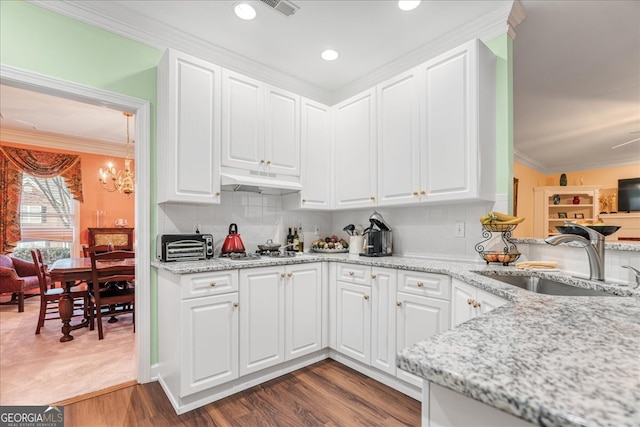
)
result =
(576, 63)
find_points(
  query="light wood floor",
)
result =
(41, 370)
(324, 394)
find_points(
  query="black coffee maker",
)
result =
(378, 239)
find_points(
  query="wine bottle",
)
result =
(289, 238)
(300, 239)
(296, 239)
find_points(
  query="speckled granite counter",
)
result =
(553, 361)
(619, 245)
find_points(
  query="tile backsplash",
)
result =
(417, 231)
(259, 218)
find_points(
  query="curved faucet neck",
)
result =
(594, 248)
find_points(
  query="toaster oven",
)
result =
(184, 247)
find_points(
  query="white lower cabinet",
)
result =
(211, 338)
(383, 319)
(422, 311)
(197, 331)
(280, 314)
(353, 335)
(468, 302)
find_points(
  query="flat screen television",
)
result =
(629, 195)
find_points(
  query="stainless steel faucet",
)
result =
(594, 247)
(636, 272)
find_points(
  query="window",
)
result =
(46, 218)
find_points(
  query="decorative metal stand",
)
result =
(509, 251)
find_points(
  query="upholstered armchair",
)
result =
(18, 277)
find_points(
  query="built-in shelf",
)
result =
(550, 201)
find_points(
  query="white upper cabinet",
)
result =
(316, 157)
(282, 137)
(189, 115)
(260, 126)
(458, 125)
(399, 176)
(355, 158)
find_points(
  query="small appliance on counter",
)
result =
(184, 247)
(378, 238)
(233, 242)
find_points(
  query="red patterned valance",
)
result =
(41, 164)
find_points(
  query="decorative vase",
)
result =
(576, 200)
(563, 180)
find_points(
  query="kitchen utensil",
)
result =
(359, 230)
(233, 242)
(350, 229)
(269, 246)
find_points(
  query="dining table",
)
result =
(68, 272)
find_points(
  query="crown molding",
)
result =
(528, 162)
(516, 16)
(570, 167)
(63, 142)
(112, 18)
(485, 28)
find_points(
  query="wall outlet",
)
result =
(458, 229)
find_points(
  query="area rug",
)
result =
(40, 370)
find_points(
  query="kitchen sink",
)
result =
(546, 286)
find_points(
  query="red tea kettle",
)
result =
(233, 242)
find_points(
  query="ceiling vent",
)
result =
(286, 8)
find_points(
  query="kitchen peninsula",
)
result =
(547, 360)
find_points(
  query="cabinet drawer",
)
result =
(426, 284)
(350, 273)
(209, 283)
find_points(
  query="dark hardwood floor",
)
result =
(324, 394)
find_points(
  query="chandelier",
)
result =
(120, 180)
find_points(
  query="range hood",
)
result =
(258, 182)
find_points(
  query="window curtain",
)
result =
(13, 163)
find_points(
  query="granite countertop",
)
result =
(550, 360)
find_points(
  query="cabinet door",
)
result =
(488, 301)
(353, 335)
(355, 155)
(398, 140)
(316, 171)
(303, 316)
(242, 122)
(461, 309)
(282, 133)
(419, 318)
(209, 343)
(459, 124)
(189, 115)
(383, 319)
(261, 318)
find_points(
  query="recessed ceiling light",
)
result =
(244, 11)
(329, 55)
(407, 5)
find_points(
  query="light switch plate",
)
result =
(458, 229)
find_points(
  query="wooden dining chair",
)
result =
(49, 296)
(88, 250)
(111, 301)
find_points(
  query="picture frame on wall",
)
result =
(562, 215)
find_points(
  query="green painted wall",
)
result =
(502, 47)
(34, 39)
